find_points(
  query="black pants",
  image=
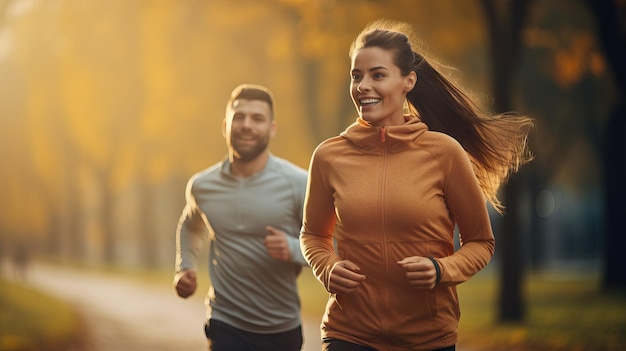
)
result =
(224, 337)
(340, 345)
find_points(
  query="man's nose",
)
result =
(246, 122)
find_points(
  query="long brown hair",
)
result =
(496, 143)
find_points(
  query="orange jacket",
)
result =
(386, 193)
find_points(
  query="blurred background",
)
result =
(107, 107)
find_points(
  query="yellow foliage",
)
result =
(572, 63)
(133, 92)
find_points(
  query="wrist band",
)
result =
(437, 269)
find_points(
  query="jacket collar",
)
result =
(371, 139)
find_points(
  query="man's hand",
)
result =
(185, 283)
(420, 272)
(277, 245)
(344, 277)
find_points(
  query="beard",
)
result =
(249, 153)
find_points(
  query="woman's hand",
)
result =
(344, 277)
(420, 272)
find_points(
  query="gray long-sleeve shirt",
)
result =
(249, 289)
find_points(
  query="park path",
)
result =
(125, 315)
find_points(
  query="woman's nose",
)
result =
(362, 86)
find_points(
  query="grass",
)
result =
(32, 321)
(563, 313)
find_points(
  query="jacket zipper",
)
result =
(383, 139)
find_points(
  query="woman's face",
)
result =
(377, 86)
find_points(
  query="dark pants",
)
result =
(340, 345)
(224, 337)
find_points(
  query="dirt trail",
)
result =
(123, 315)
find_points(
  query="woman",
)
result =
(385, 195)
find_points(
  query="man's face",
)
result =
(248, 128)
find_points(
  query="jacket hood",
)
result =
(371, 139)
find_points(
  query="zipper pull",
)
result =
(382, 134)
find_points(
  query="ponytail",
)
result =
(496, 144)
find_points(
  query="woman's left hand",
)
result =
(420, 272)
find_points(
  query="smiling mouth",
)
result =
(245, 139)
(368, 102)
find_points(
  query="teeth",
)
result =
(369, 101)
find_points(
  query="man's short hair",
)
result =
(252, 92)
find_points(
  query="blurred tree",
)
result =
(116, 102)
(39, 164)
(611, 27)
(505, 21)
(320, 33)
(99, 105)
(566, 85)
(323, 37)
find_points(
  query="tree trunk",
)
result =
(148, 249)
(504, 21)
(608, 15)
(510, 299)
(615, 192)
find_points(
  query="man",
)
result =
(251, 206)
